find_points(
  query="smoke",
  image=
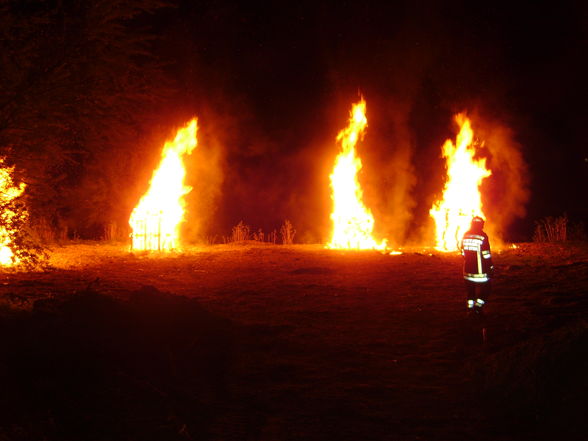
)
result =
(238, 173)
(296, 185)
(267, 139)
(505, 193)
(205, 174)
(236, 176)
(388, 175)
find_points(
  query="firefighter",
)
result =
(477, 265)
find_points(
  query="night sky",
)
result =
(273, 84)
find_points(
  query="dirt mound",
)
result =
(93, 367)
(540, 384)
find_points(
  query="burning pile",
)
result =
(353, 223)
(8, 192)
(461, 199)
(156, 219)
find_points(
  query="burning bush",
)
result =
(24, 250)
(17, 246)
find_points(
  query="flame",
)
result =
(8, 192)
(353, 223)
(461, 196)
(156, 219)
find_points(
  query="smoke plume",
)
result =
(506, 192)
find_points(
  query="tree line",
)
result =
(79, 82)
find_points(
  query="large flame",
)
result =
(461, 196)
(155, 221)
(8, 192)
(353, 223)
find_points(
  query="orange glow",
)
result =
(8, 192)
(353, 223)
(461, 196)
(155, 221)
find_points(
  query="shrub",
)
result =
(43, 231)
(211, 239)
(26, 251)
(109, 232)
(577, 231)
(259, 236)
(551, 229)
(240, 232)
(287, 232)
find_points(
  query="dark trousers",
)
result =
(477, 290)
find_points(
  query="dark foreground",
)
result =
(293, 343)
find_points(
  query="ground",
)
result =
(269, 342)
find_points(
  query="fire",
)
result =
(461, 196)
(8, 192)
(353, 223)
(156, 219)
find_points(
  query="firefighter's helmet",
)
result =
(478, 222)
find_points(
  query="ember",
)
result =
(461, 196)
(353, 223)
(156, 219)
(8, 192)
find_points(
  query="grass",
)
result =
(259, 341)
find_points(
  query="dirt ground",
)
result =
(269, 342)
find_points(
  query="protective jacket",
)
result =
(477, 265)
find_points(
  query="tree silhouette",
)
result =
(78, 82)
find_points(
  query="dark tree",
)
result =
(78, 84)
